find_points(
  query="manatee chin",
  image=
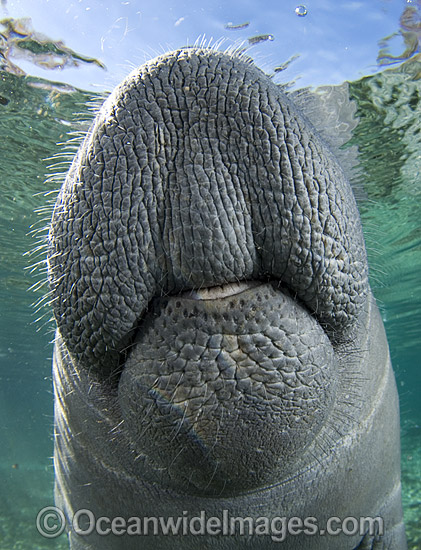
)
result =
(224, 392)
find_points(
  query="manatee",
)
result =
(221, 373)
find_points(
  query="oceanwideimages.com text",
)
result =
(51, 522)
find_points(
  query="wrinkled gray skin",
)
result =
(218, 346)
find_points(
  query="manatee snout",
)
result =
(218, 354)
(197, 173)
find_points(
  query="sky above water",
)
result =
(335, 40)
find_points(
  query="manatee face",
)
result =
(207, 267)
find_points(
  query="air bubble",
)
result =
(301, 11)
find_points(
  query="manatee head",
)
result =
(207, 263)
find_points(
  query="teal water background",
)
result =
(389, 140)
(35, 116)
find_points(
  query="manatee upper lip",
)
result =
(198, 170)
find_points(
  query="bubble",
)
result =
(301, 11)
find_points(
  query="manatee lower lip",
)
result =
(241, 370)
(218, 292)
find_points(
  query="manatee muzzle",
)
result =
(206, 255)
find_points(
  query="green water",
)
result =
(33, 120)
(389, 138)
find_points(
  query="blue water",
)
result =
(35, 116)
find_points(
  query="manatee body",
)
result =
(219, 359)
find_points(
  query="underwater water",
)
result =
(36, 116)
